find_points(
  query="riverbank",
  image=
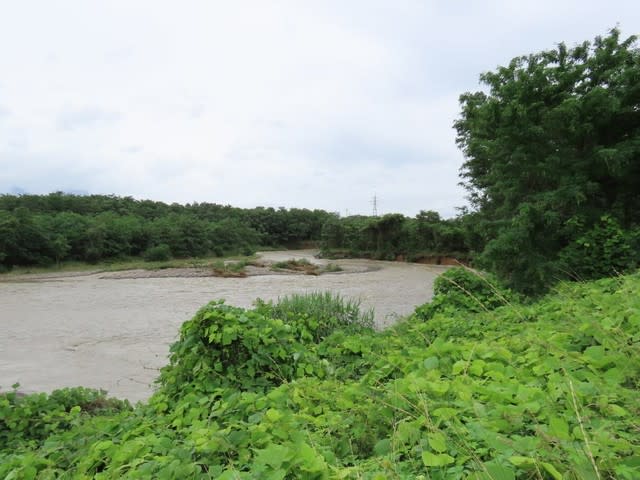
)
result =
(262, 263)
(82, 268)
(426, 258)
(101, 331)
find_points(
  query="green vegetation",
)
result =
(29, 420)
(466, 289)
(37, 230)
(395, 236)
(476, 385)
(135, 264)
(552, 164)
(297, 265)
(328, 311)
(233, 268)
(542, 391)
(159, 253)
(305, 266)
(332, 268)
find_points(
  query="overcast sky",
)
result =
(314, 104)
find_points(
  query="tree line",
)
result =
(46, 229)
(552, 169)
(43, 229)
(395, 236)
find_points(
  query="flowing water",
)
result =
(101, 331)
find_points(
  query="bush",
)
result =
(224, 346)
(33, 418)
(465, 289)
(322, 312)
(604, 250)
(159, 253)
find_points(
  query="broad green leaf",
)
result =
(439, 388)
(445, 413)
(274, 455)
(551, 470)
(458, 367)
(311, 460)
(431, 363)
(495, 471)
(559, 428)
(439, 460)
(382, 447)
(437, 441)
(522, 461)
(273, 415)
(617, 411)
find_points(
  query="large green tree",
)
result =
(552, 150)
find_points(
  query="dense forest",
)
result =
(395, 236)
(43, 229)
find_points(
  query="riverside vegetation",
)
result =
(474, 385)
(551, 167)
(489, 381)
(551, 150)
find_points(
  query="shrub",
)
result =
(158, 253)
(332, 268)
(604, 250)
(465, 289)
(323, 312)
(221, 268)
(224, 346)
(33, 418)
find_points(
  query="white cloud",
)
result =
(286, 103)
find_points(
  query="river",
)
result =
(102, 331)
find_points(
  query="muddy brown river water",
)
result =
(101, 331)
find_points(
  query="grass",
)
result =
(297, 265)
(332, 268)
(330, 310)
(231, 268)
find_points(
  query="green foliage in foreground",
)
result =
(542, 391)
(31, 419)
(465, 289)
